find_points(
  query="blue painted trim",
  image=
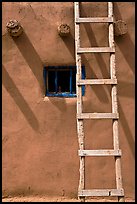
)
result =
(44, 76)
(67, 95)
(83, 77)
(70, 81)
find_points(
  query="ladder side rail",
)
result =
(80, 127)
(114, 103)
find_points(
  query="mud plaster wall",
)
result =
(39, 135)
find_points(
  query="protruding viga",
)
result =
(14, 28)
(120, 27)
(63, 30)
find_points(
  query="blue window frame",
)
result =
(60, 81)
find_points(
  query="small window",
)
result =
(60, 81)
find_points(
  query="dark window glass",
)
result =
(63, 81)
(74, 81)
(51, 81)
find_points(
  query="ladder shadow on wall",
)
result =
(103, 97)
(126, 129)
(14, 92)
(70, 44)
(125, 43)
(129, 93)
(102, 94)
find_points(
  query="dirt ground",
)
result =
(55, 199)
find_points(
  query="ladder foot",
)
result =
(121, 199)
(82, 199)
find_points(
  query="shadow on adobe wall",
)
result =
(129, 56)
(126, 129)
(70, 44)
(60, 103)
(19, 100)
(126, 89)
(102, 95)
(99, 58)
(32, 58)
(125, 43)
(100, 92)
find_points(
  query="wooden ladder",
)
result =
(116, 152)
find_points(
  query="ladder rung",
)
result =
(95, 49)
(97, 81)
(101, 152)
(95, 20)
(102, 192)
(98, 116)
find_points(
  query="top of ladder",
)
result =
(108, 19)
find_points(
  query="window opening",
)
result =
(60, 81)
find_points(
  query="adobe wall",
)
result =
(39, 138)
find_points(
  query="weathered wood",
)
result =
(120, 28)
(94, 20)
(114, 104)
(80, 129)
(96, 49)
(100, 152)
(96, 81)
(98, 116)
(114, 115)
(102, 192)
(14, 28)
(64, 30)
